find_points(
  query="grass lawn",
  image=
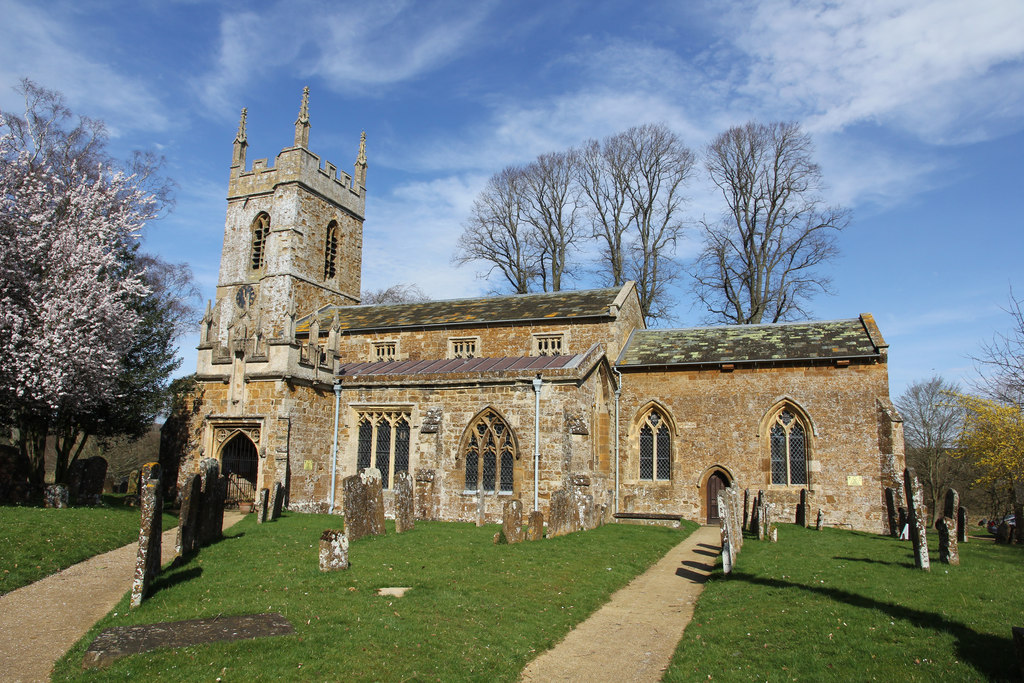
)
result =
(476, 611)
(841, 605)
(36, 542)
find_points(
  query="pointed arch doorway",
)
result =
(239, 462)
(717, 481)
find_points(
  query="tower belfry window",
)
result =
(331, 251)
(260, 228)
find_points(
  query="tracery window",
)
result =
(331, 251)
(788, 438)
(383, 443)
(490, 453)
(260, 230)
(548, 344)
(655, 447)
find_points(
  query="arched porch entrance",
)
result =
(717, 481)
(239, 462)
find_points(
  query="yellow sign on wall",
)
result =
(307, 464)
(855, 481)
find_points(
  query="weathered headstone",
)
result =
(363, 505)
(147, 562)
(801, 509)
(949, 552)
(333, 550)
(55, 496)
(918, 534)
(903, 525)
(94, 474)
(512, 521)
(211, 519)
(746, 508)
(961, 524)
(755, 522)
(535, 526)
(277, 500)
(481, 508)
(188, 517)
(76, 472)
(891, 512)
(405, 502)
(726, 535)
(821, 520)
(133, 483)
(1004, 533)
(263, 506)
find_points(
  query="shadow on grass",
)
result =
(868, 560)
(989, 654)
(171, 579)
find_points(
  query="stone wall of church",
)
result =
(719, 421)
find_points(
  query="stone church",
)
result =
(488, 398)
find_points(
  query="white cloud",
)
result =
(55, 50)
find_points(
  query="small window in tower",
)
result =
(548, 344)
(331, 251)
(463, 347)
(260, 229)
(385, 350)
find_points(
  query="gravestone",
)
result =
(55, 496)
(90, 488)
(405, 502)
(333, 550)
(746, 508)
(188, 517)
(755, 522)
(264, 506)
(363, 505)
(1004, 533)
(211, 518)
(949, 552)
(147, 562)
(481, 509)
(535, 526)
(891, 513)
(918, 534)
(961, 524)
(733, 500)
(821, 520)
(726, 534)
(76, 472)
(512, 521)
(276, 500)
(801, 509)
(133, 483)
(902, 525)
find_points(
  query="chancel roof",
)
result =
(459, 365)
(828, 340)
(588, 303)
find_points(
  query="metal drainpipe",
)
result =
(618, 390)
(334, 446)
(537, 384)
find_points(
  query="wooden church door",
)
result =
(716, 482)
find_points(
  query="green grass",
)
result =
(840, 605)
(36, 542)
(476, 611)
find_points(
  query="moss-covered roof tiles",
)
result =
(551, 306)
(830, 340)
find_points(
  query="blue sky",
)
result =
(916, 110)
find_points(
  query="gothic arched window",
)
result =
(490, 452)
(331, 251)
(788, 438)
(260, 229)
(383, 443)
(655, 447)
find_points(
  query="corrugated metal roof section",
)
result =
(548, 306)
(458, 365)
(750, 343)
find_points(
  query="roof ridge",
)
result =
(748, 326)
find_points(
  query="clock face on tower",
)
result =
(245, 296)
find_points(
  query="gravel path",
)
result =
(41, 621)
(633, 636)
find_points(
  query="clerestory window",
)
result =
(383, 443)
(490, 454)
(655, 447)
(385, 350)
(462, 348)
(788, 438)
(548, 344)
(260, 230)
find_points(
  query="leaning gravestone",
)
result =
(405, 503)
(264, 504)
(211, 520)
(915, 505)
(512, 521)
(276, 500)
(746, 508)
(147, 562)
(949, 552)
(363, 505)
(188, 517)
(56, 496)
(535, 526)
(961, 524)
(891, 515)
(726, 535)
(333, 550)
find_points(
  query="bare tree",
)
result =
(401, 293)
(551, 205)
(497, 234)
(1000, 362)
(759, 261)
(602, 175)
(931, 422)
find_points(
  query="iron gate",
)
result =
(239, 463)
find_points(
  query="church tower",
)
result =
(292, 238)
